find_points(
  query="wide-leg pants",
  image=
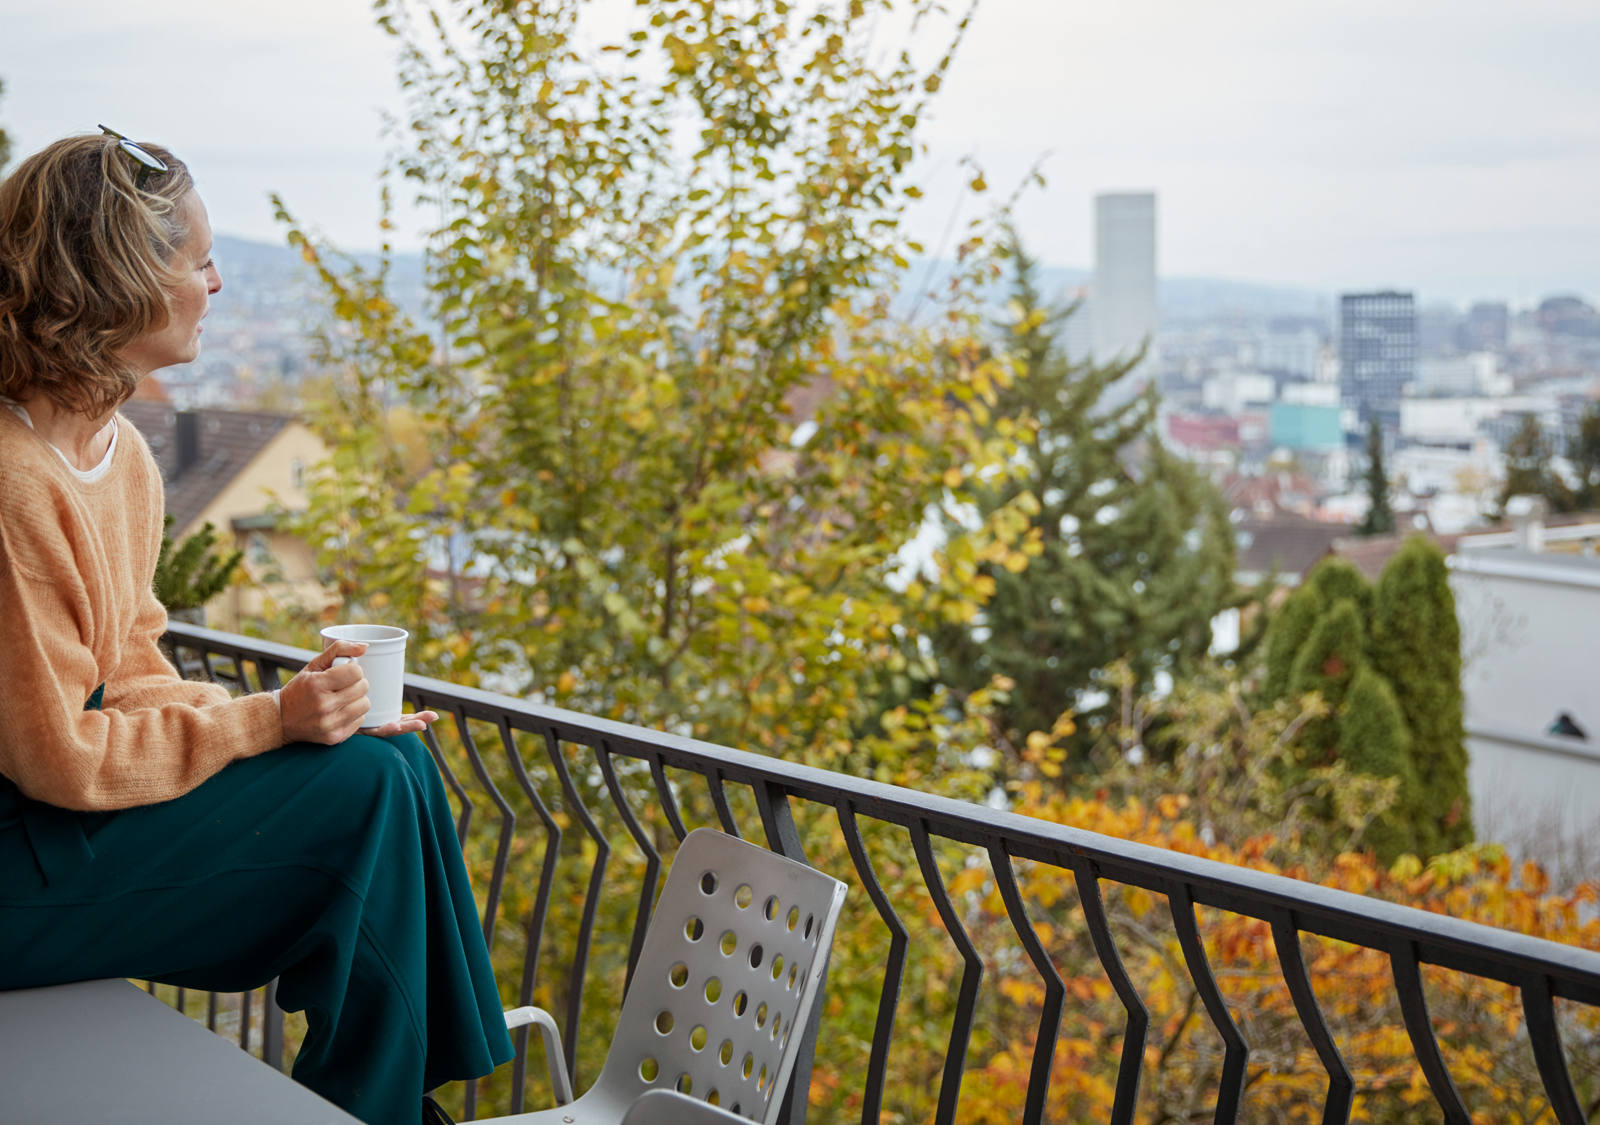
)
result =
(335, 869)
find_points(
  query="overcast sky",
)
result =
(1450, 146)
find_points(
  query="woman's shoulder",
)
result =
(26, 469)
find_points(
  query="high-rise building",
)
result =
(1377, 354)
(1124, 302)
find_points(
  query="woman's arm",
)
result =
(145, 678)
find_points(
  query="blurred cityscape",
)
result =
(1272, 388)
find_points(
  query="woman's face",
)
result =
(178, 341)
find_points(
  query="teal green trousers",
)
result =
(332, 868)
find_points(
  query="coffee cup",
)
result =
(384, 665)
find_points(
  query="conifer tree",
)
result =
(1416, 644)
(189, 574)
(1131, 550)
(1335, 578)
(1529, 471)
(1584, 453)
(1379, 519)
(1289, 628)
(1326, 664)
(1373, 740)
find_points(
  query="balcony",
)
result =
(990, 966)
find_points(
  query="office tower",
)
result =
(1377, 354)
(1124, 303)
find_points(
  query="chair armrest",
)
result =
(668, 1107)
(560, 1081)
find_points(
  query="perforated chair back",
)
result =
(730, 970)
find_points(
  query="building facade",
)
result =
(1529, 610)
(1377, 354)
(1124, 304)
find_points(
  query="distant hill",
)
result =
(1180, 299)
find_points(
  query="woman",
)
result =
(156, 828)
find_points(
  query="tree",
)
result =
(1334, 578)
(1327, 664)
(662, 455)
(1379, 519)
(1127, 551)
(1373, 740)
(1416, 644)
(1583, 450)
(1286, 633)
(1528, 468)
(1223, 798)
(191, 573)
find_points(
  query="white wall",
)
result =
(1529, 623)
(1540, 797)
(1234, 392)
(1457, 419)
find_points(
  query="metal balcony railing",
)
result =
(565, 819)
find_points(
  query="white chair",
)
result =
(730, 971)
(668, 1107)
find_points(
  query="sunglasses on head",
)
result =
(148, 163)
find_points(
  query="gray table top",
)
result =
(105, 1051)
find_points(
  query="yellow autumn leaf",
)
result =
(968, 880)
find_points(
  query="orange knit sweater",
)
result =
(76, 611)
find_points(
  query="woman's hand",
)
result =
(325, 704)
(405, 724)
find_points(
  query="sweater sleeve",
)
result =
(57, 752)
(145, 678)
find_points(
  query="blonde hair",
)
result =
(84, 268)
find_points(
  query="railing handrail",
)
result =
(1326, 911)
(1542, 970)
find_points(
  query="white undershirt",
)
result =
(86, 475)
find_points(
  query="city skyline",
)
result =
(1448, 149)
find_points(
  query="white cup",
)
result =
(384, 665)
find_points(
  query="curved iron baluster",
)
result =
(777, 819)
(719, 798)
(669, 800)
(652, 873)
(1424, 1044)
(270, 674)
(497, 877)
(893, 969)
(508, 824)
(453, 783)
(1230, 1086)
(1539, 1007)
(534, 928)
(271, 1026)
(1055, 991)
(1291, 960)
(955, 1059)
(591, 899)
(1131, 1067)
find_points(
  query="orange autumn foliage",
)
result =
(1479, 1023)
